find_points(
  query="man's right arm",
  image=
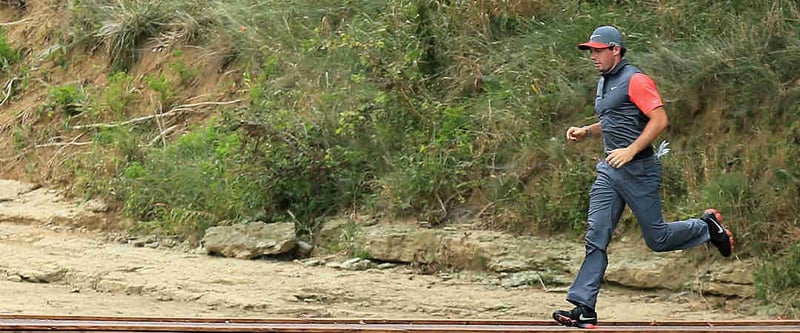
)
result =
(575, 134)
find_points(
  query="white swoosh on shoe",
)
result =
(721, 229)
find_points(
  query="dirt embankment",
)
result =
(41, 139)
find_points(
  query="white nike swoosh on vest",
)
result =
(612, 88)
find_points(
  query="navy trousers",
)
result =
(636, 184)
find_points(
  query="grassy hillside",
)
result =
(193, 113)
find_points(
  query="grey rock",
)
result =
(520, 279)
(356, 264)
(142, 241)
(304, 248)
(644, 269)
(410, 244)
(509, 265)
(249, 241)
(95, 206)
(311, 262)
(333, 264)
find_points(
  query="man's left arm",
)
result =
(642, 91)
(655, 126)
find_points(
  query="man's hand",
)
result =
(617, 158)
(575, 134)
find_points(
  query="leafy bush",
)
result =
(119, 93)
(190, 185)
(8, 55)
(778, 279)
(69, 99)
(164, 87)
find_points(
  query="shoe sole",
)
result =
(715, 212)
(728, 232)
(721, 248)
(569, 322)
(730, 240)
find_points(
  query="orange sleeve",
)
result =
(642, 91)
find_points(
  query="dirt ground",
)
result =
(49, 268)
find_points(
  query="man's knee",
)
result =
(596, 239)
(658, 245)
(656, 235)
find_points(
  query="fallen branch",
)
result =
(206, 103)
(8, 89)
(175, 110)
(61, 144)
(14, 22)
(73, 142)
(163, 134)
(123, 123)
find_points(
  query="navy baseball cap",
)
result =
(603, 37)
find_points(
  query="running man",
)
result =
(631, 116)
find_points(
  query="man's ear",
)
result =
(617, 50)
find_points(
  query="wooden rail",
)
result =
(19, 323)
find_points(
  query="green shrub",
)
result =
(187, 74)
(778, 279)
(69, 99)
(189, 185)
(164, 88)
(119, 93)
(8, 55)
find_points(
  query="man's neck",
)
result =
(617, 63)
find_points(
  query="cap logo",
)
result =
(603, 37)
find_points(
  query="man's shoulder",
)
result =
(640, 79)
(630, 70)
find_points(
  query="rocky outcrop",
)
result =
(651, 270)
(463, 248)
(635, 266)
(443, 248)
(251, 240)
(732, 279)
(538, 261)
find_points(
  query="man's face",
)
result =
(604, 59)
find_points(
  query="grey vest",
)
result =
(621, 120)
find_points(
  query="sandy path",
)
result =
(48, 268)
(87, 275)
